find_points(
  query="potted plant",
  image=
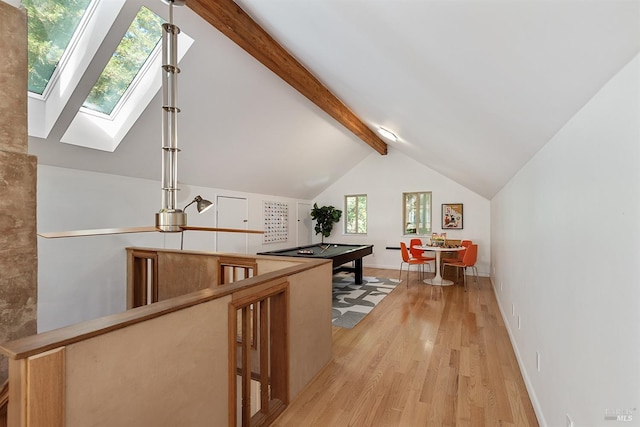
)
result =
(325, 216)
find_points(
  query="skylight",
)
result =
(132, 53)
(125, 88)
(67, 38)
(70, 67)
(51, 28)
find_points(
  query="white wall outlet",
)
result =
(569, 421)
(538, 361)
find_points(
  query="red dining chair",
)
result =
(469, 261)
(456, 256)
(419, 253)
(409, 260)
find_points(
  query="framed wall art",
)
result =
(452, 217)
(276, 222)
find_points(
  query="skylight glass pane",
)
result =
(133, 51)
(51, 25)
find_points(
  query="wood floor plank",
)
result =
(425, 356)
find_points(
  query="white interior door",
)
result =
(304, 224)
(232, 213)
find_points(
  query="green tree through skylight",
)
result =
(51, 25)
(133, 51)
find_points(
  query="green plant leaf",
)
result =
(325, 216)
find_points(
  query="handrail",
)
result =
(31, 345)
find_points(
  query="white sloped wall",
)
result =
(566, 248)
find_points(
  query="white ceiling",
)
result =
(472, 88)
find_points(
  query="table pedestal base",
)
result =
(438, 281)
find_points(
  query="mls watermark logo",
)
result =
(624, 414)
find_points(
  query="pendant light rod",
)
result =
(170, 218)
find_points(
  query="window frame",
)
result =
(107, 131)
(45, 109)
(346, 221)
(69, 52)
(428, 219)
(141, 71)
(88, 128)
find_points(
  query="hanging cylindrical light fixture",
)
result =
(170, 218)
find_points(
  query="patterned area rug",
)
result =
(351, 302)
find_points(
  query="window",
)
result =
(65, 37)
(416, 213)
(51, 28)
(356, 214)
(132, 53)
(130, 96)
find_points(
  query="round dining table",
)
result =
(438, 280)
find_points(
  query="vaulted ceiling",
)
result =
(472, 88)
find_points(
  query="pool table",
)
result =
(338, 253)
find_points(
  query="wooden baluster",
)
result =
(246, 367)
(264, 356)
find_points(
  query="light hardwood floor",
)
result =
(425, 356)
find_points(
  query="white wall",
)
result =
(82, 278)
(383, 179)
(566, 248)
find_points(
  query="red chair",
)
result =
(469, 261)
(419, 253)
(409, 260)
(456, 256)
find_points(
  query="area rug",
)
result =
(351, 302)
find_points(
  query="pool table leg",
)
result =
(358, 271)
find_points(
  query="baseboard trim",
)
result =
(397, 268)
(527, 381)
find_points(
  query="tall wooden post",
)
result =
(18, 244)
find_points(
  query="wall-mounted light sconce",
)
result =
(202, 205)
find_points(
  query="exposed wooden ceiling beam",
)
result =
(233, 22)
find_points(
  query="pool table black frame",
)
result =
(339, 260)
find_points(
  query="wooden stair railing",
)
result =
(144, 278)
(260, 355)
(143, 275)
(4, 403)
(233, 269)
(245, 322)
